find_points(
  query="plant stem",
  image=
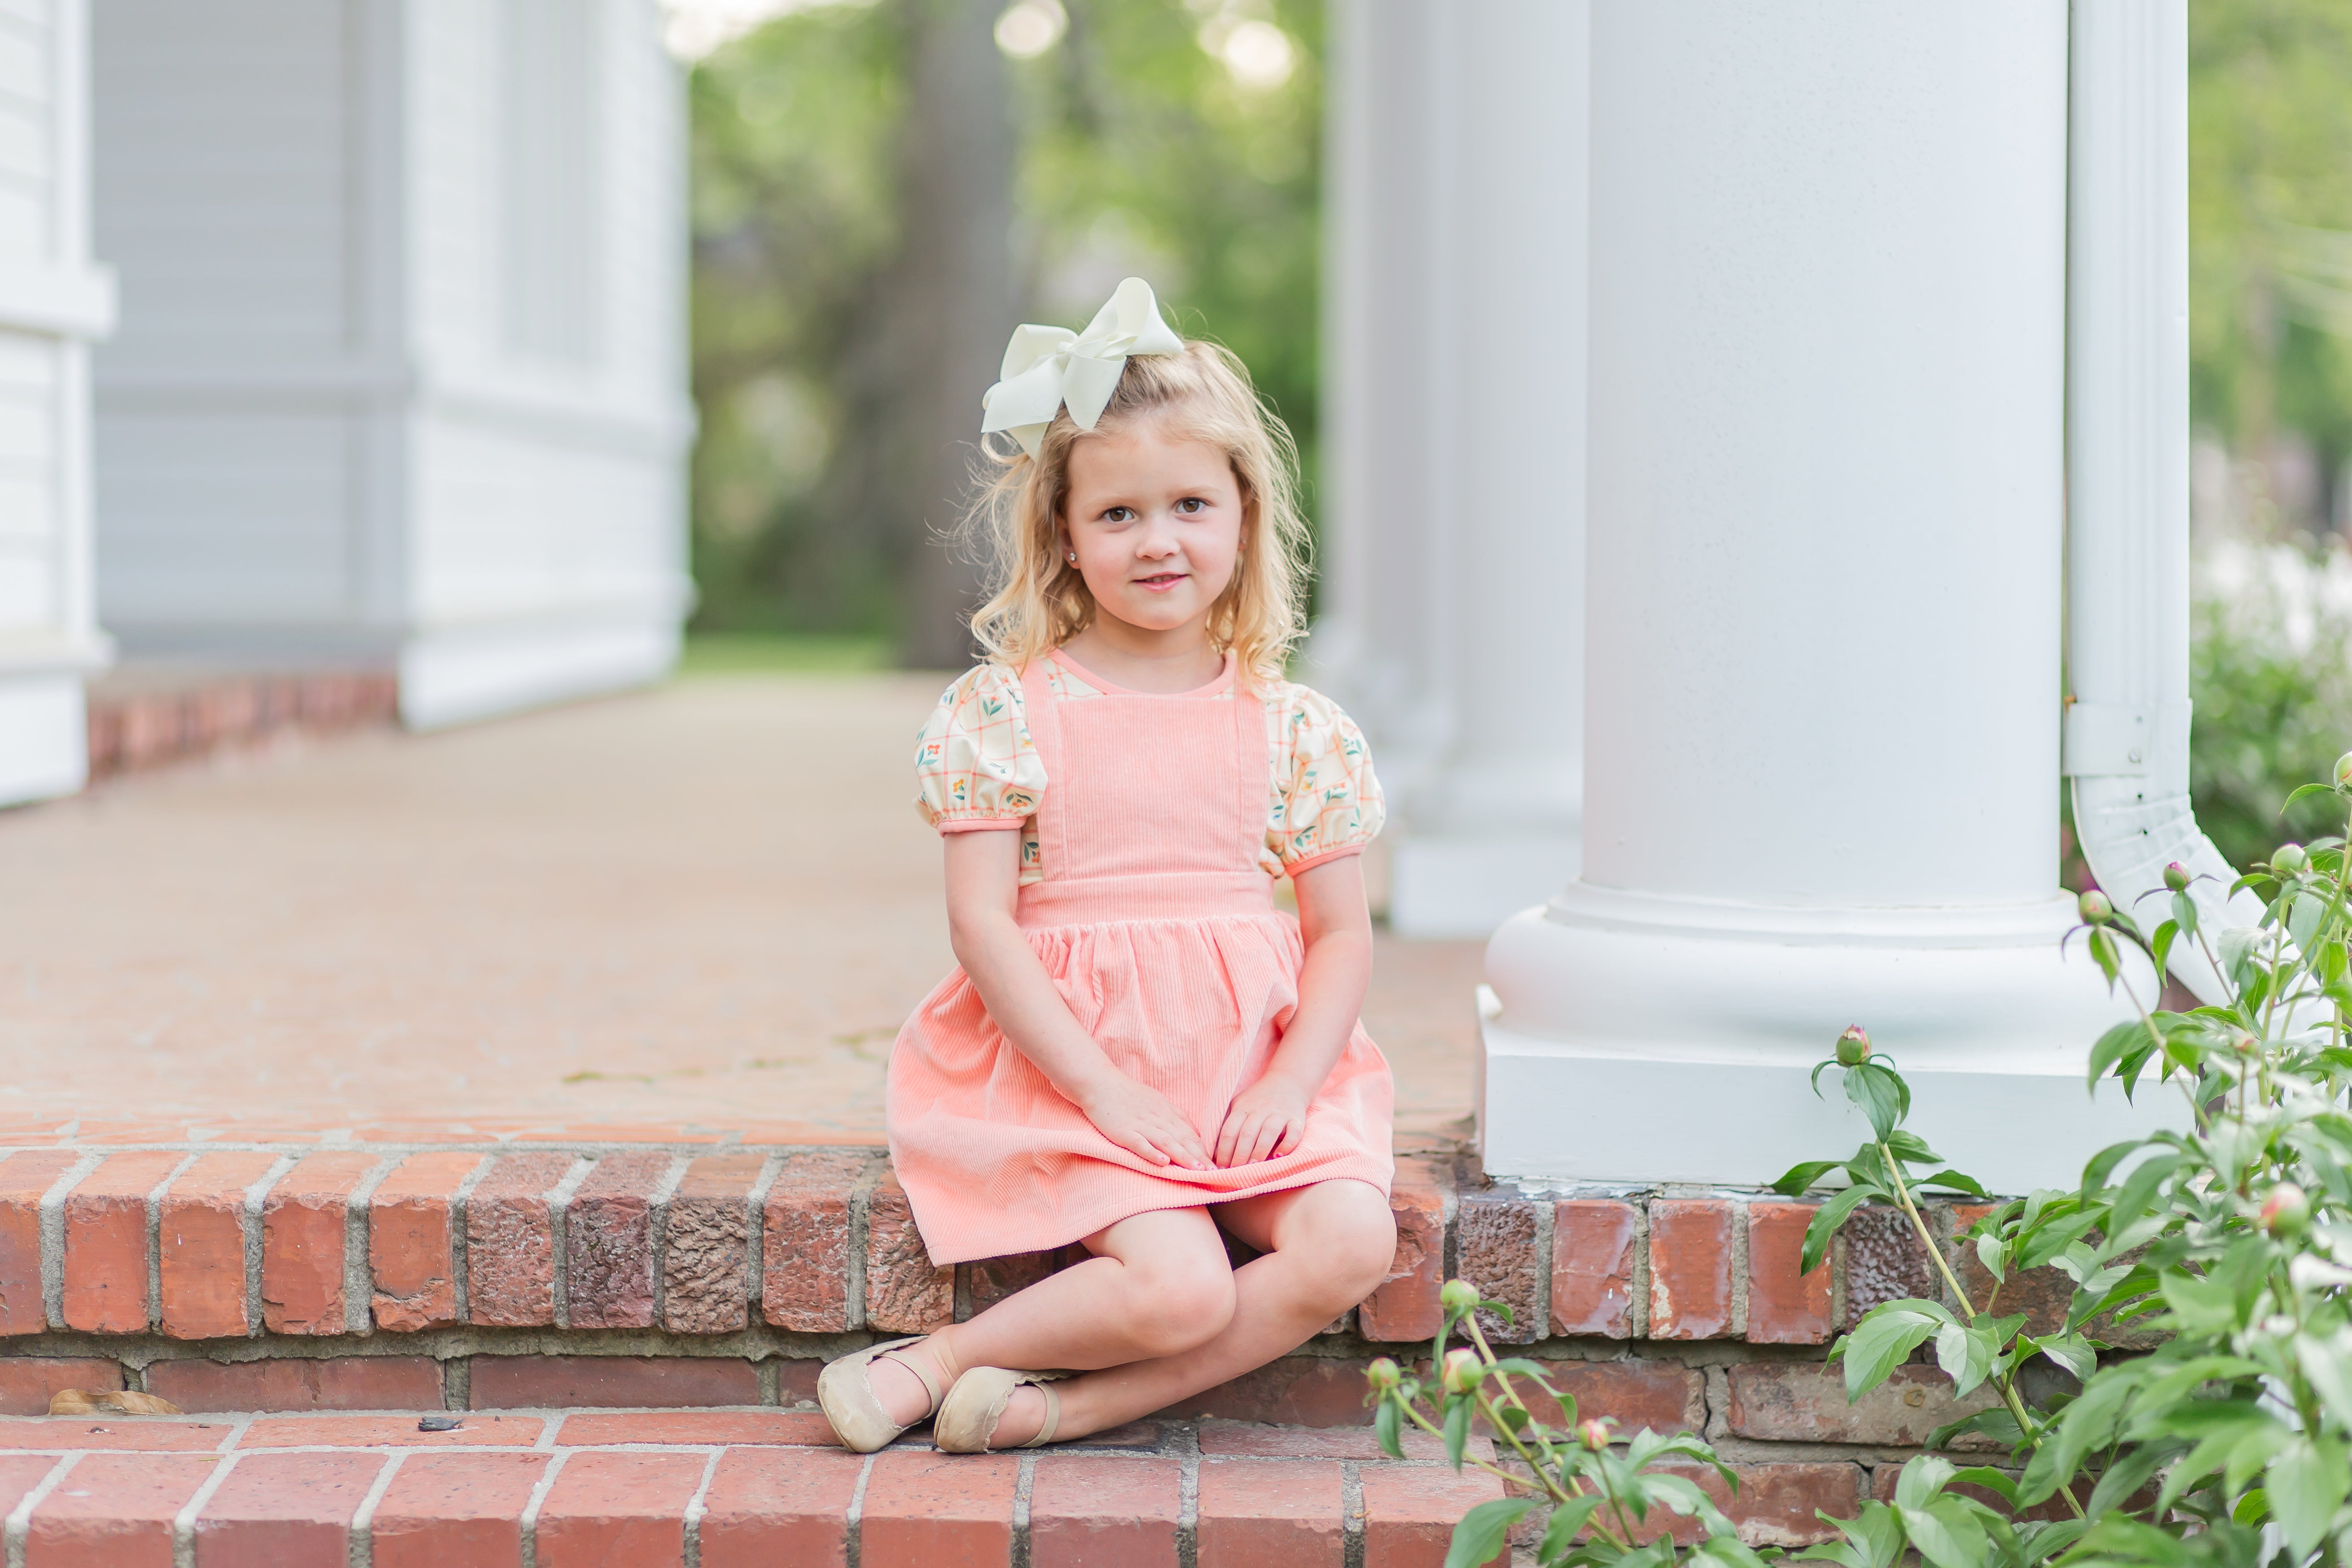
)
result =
(2025, 1426)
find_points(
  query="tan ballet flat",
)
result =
(845, 1391)
(969, 1415)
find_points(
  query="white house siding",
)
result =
(231, 402)
(401, 379)
(548, 479)
(52, 301)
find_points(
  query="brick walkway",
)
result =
(697, 912)
(723, 1489)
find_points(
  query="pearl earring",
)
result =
(1073, 558)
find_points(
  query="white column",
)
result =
(1455, 396)
(53, 301)
(1823, 611)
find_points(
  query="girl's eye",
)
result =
(1120, 514)
(1191, 506)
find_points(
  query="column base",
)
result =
(44, 737)
(1630, 1038)
(1453, 886)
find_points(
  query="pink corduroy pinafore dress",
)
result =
(1159, 929)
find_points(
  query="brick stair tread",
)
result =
(711, 1485)
(198, 1243)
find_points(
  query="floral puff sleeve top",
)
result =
(976, 768)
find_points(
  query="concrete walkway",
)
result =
(702, 909)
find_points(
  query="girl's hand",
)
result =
(1266, 1122)
(1140, 1120)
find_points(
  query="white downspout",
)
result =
(2126, 717)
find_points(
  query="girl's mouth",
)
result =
(1162, 583)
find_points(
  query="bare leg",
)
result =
(1325, 1248)
(1159, 1283)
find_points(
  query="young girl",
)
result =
(1138, 1050)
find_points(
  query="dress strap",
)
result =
(1043, 713)
(1254, 762)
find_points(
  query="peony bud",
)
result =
(1461, 1371)
(2094, 907)
(2287, 1213)
(2244, 1044)
(1383, 1374)
(2176, 877)
(2290, 858)
(1854, 1046)
(1458, 1297)
(1593, 1434)
(2344, 770)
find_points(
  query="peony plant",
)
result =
(1602, 1494)
(2230, 1240)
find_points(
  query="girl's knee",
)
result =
(1353, 1245)
(1177, 1305)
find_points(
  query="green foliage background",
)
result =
(2270, 162)
(1137, 152)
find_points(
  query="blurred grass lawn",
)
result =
(781, 653)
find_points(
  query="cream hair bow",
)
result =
(1046, 367)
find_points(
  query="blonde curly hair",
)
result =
(1037, 600)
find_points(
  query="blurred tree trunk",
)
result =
(933, 332)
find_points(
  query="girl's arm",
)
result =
(984, 891)
(1269, 1117)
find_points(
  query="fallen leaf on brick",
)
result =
(110, 1402)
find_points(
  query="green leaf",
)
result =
(1884, 1097)
(2327, 1366)
(2104, 954)
(2162, 945)
(1878, 1533)
(1801, 1176)
(1952, 1180)
(1993, 1253)
(2088, 1424)
(2038, 1542)
(2072, 1351)
(2302, 920)
(2112, 1046)
(1995, 1422)
(1479, 1539)
(1828, 1217)
(1886, 1334)
(1965, 1353)
(2184, 913)
(1945, 1533)
(2131, 1471)
(1387, 1426)
(1681, 1494)
(1921, 1479)
(2306, 1484)
(1535, 1372)
(2253, 1507)
(1725, 1551)
(1458, 1411)
(1906, 1144)
(1567, 1520)
(2001, 1483)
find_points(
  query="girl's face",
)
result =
(1155, 519)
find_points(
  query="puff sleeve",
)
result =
(975, 765)
(1329, 802)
